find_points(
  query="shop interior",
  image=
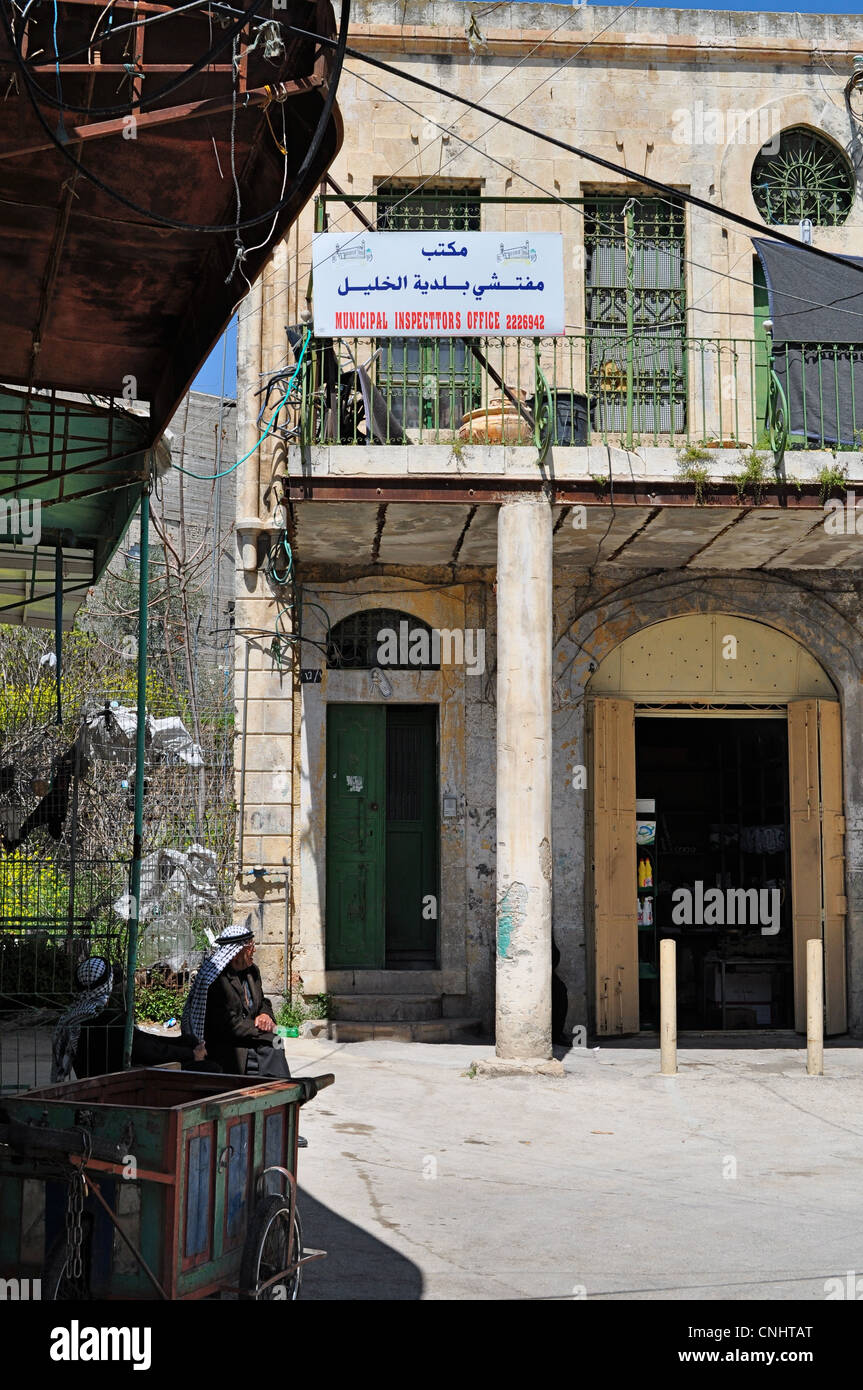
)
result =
(713, 809)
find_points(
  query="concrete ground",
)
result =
(740, 1178)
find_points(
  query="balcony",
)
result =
(600, 388)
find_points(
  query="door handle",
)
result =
(373, 806)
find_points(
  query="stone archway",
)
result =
(820, 622)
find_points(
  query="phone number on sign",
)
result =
(526, 322)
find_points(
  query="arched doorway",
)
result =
(717, 818)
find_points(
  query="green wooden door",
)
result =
(411, 837)
(355, 836)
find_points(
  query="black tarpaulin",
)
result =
(817, 311)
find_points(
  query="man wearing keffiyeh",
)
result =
(226, 1008)
(88, 1037)
(95, 979)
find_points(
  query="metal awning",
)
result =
(71, 473)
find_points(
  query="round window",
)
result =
(807, 177)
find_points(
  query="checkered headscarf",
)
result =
(232, 940)
(95, 979)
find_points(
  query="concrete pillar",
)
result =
(524, 753)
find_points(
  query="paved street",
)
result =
(612, 1181)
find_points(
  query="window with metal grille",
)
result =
(355, 643)
(807, 179)
(635, 302)
(431, 382)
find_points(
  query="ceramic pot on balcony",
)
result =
(499, 423)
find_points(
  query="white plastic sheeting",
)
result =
(177, 887)
(110, 734)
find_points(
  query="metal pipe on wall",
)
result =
(140, 735)
(242, 797)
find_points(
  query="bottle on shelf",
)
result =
(645, 873)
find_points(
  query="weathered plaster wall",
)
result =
(480, 818)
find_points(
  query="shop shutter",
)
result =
(614, 867)
(817, 852)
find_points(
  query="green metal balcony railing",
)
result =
(600, 387)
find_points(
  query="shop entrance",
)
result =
(734, 731)
(713, 839)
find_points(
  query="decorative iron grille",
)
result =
(354, 643)
(635, 301)
(807, 178)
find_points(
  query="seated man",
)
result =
(226, 1009)
(88, 1037)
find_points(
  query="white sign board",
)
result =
(438, 284)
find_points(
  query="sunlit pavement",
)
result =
(741, 1177)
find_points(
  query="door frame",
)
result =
(816, 764)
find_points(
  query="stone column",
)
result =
(524, 752)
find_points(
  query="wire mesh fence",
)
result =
(67, 786)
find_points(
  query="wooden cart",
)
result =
(157, 1183)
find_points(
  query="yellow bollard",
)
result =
(814, 1008)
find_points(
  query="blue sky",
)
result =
(777, 7)
(209, 378)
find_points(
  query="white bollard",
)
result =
(668, 1006)
(814, 1008)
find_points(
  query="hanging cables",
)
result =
(211, 477)
(299, 178)
(152, 97)
(714, 209)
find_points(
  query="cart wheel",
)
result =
(269, 1249)
(58, 1286)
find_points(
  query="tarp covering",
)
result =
(812, 300)
(817, 311)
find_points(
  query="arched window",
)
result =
(382, 637)
(808, 177)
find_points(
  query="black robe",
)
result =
(229, 1027)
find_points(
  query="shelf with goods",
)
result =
(646, 859)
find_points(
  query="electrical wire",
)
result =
(683, 195)
(146, 101)
(412, 192)
(430, 178)
(766, 231)
(150, 216)
(415, 188)
(211, 477)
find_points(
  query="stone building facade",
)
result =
(670, 679)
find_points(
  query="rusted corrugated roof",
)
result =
(100, 299)
(94, 294)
